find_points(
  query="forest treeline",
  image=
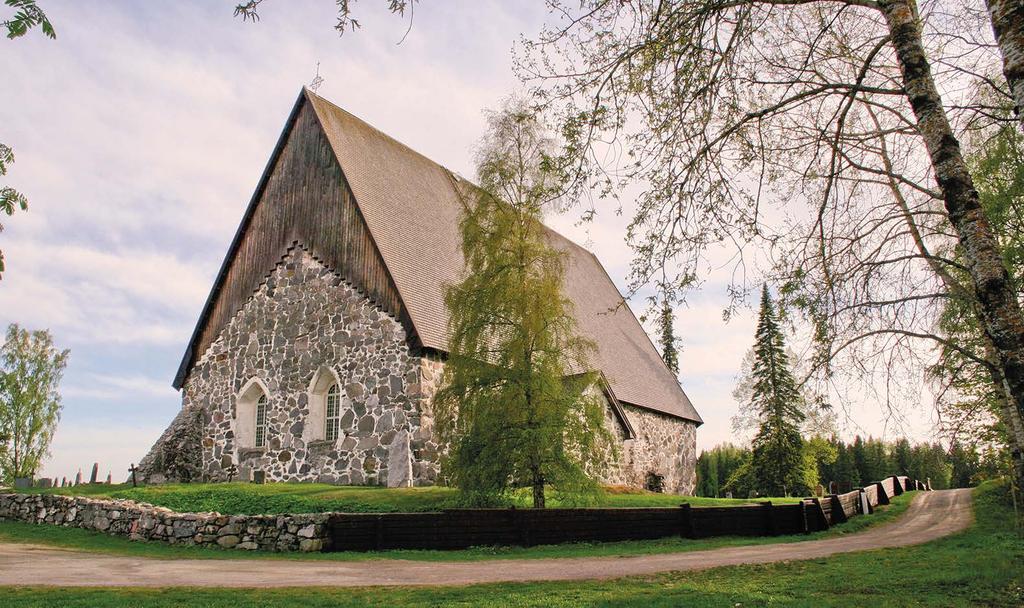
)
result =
(727, 468)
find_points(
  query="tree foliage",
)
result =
(518, 405)
(27, 16)
(10, 199)
(667, 338)
(31, 368)
(777, 457)
(716, 466)
(249, 11)
(973, 407)
(819, 129)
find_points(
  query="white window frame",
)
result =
(260, 426)
(332, 413)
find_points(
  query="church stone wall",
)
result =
(663, 445)
(303, 319)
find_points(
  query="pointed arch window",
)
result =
(329, 410)
(333, 413)
(251, 420)
(261, 421)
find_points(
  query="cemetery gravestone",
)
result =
(45, 482)
(259, 477)
(95, 472)
(78, 478)
(22, 483)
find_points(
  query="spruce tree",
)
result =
(517, 407)
(669, 351)
(846, 468)
(777, 458)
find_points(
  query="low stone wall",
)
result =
(141, 521)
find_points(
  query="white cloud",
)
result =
(141, 133)
(109, 387)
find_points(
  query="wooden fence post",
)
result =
(686, 521)
(864, 505)
(838, 514)
(883, 496)
(769, 518)
(820, 513)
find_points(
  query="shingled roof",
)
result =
(411, 206)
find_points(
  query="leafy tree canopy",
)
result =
(31, 368)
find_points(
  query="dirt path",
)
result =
(931, 516)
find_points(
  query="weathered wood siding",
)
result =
(305, 199)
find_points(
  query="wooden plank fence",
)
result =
(463, 528)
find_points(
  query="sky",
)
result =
(140, 134)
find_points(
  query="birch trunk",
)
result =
(1008, 25)
(1001, 314)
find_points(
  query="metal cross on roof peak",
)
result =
(317, 79)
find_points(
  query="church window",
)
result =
(333, 413)
(261, 421)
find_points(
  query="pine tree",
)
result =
(777, 459)
(669, 351)
(517, 406)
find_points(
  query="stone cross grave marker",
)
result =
(132, 469)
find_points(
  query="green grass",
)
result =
(275, 498)
(979, 567)
(87, 540)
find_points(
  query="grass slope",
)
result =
(275, 498)
(87, 540)
(979, 567)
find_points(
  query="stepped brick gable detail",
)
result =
(324, 337)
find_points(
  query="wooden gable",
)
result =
(302, 197)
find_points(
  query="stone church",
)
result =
(323, 338)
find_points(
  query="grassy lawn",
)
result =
(86, 540)
(274, 498)
(979, 567)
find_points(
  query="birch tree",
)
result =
(517, 406)
(1008, 26)
(814, 128)
(30, 371)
